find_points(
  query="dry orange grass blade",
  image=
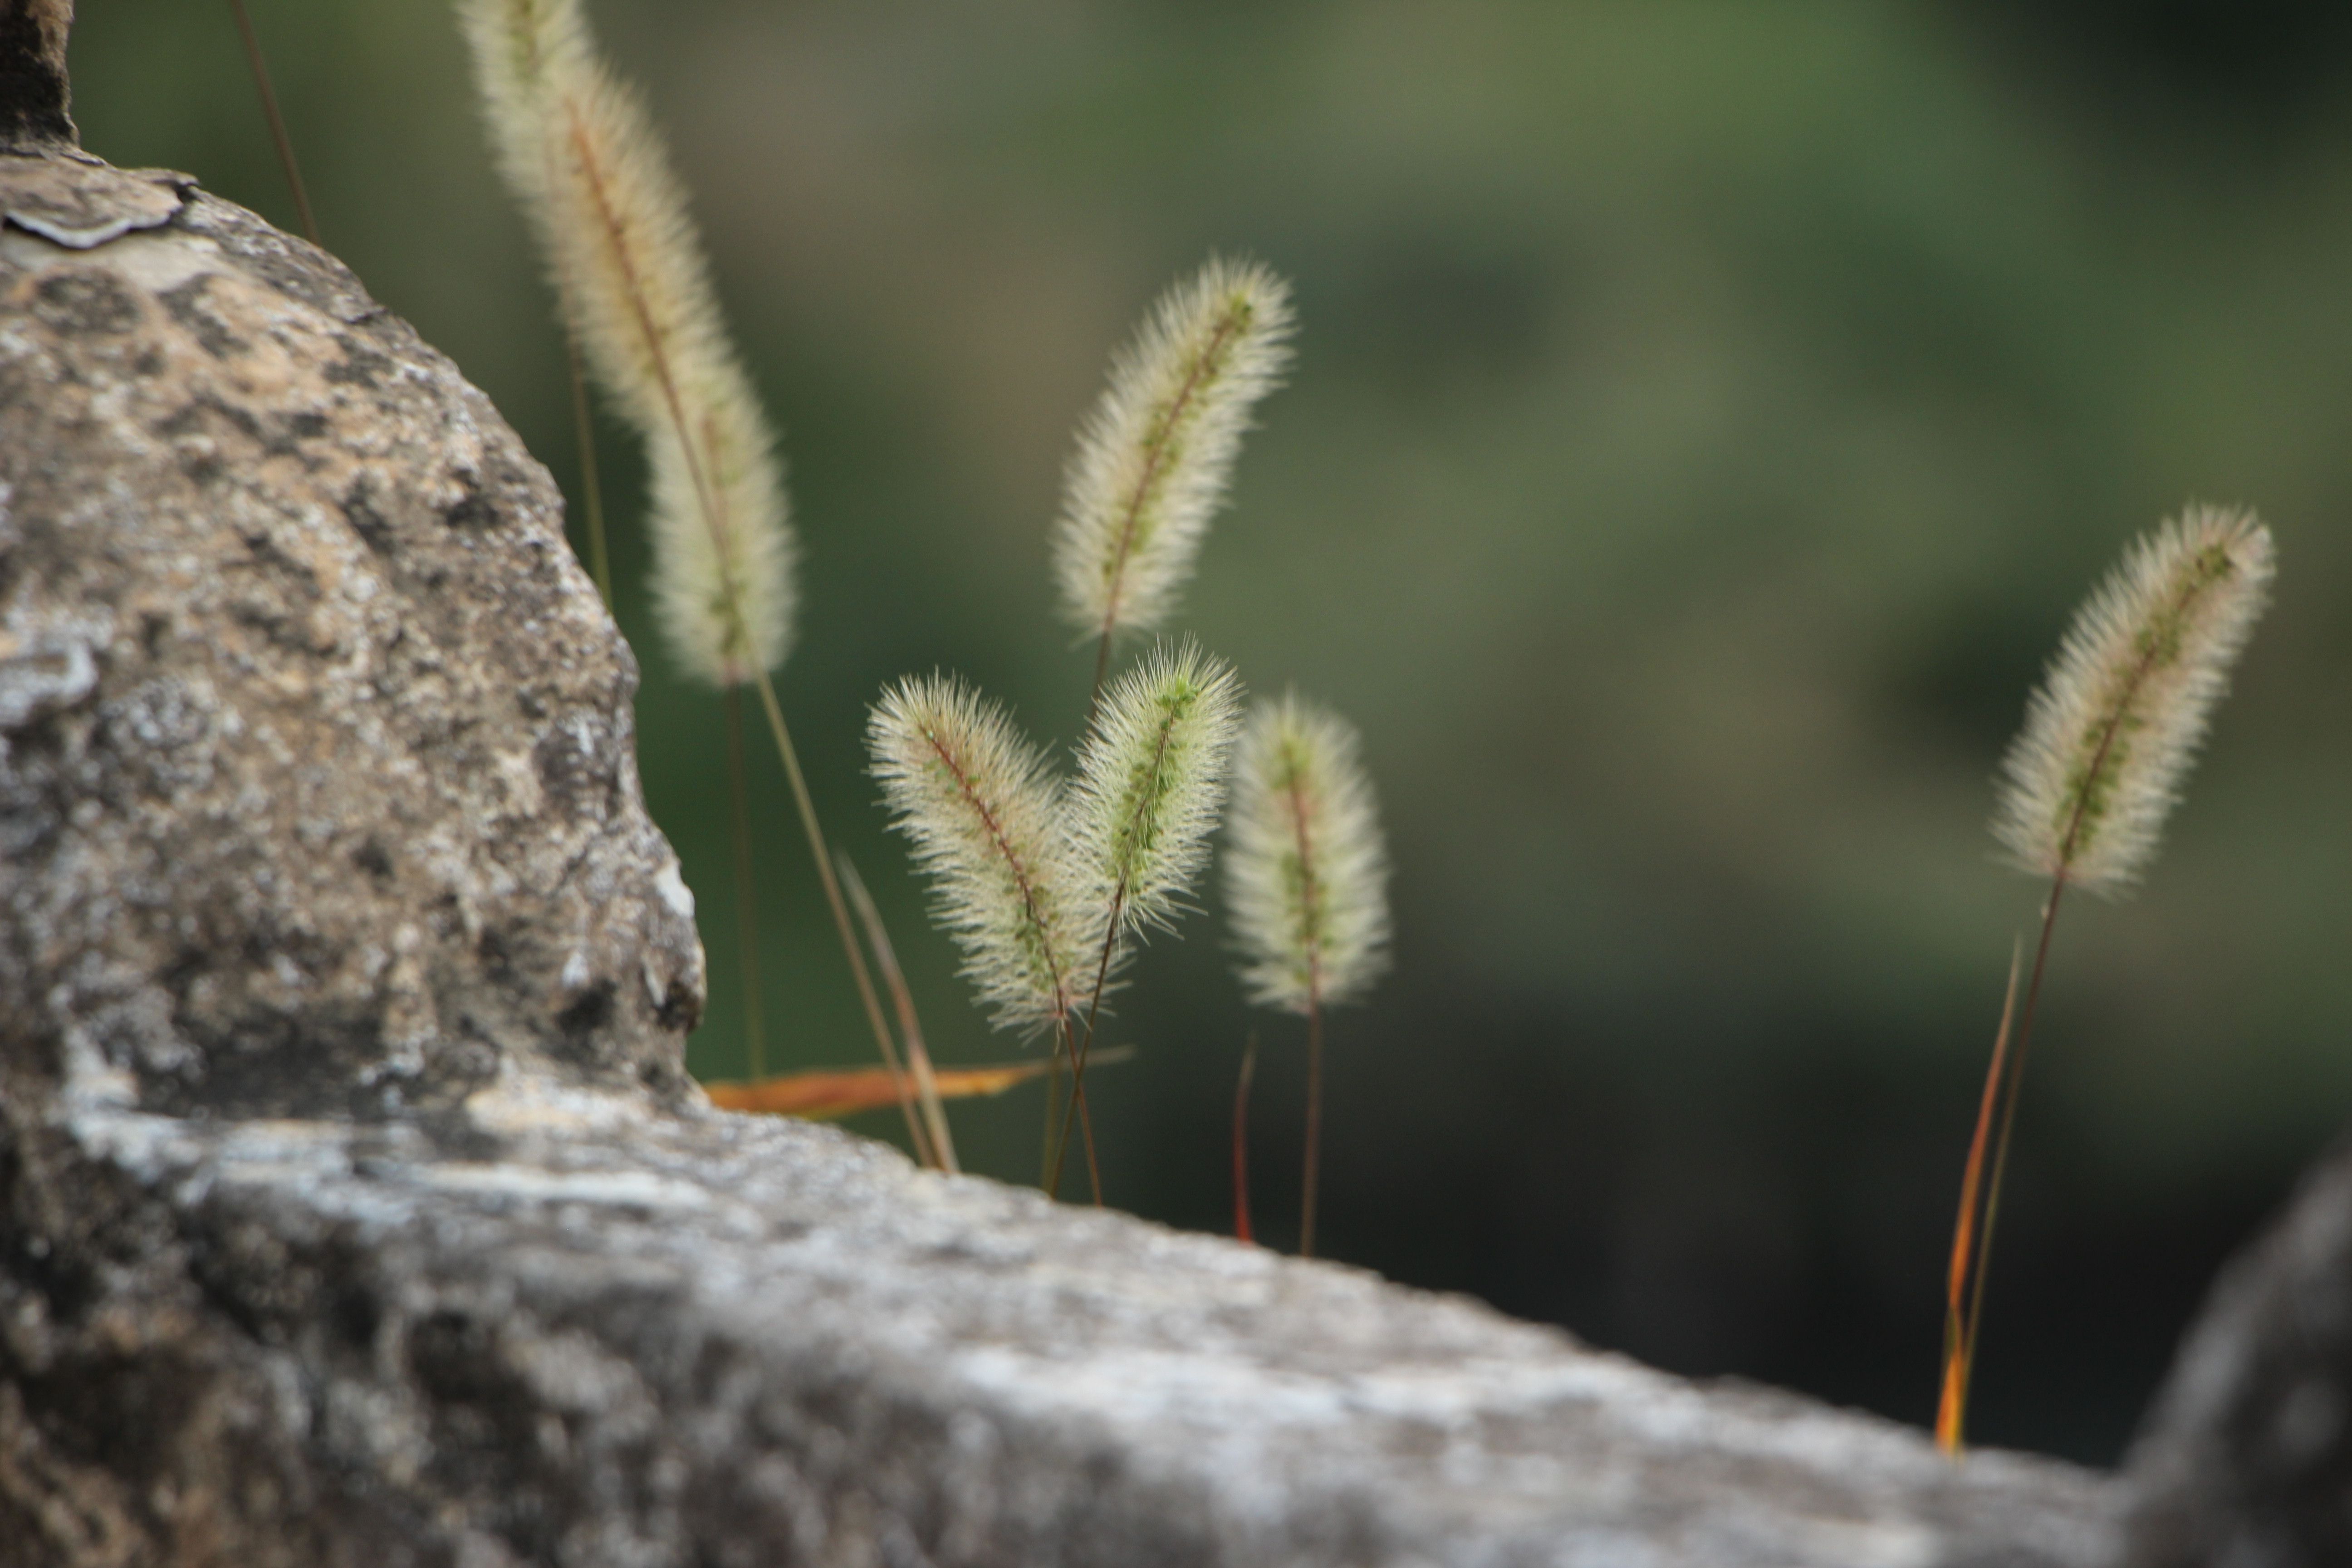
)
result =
(827, 1094)
(1960, 1321)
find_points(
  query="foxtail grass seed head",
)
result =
(1154, 455)
(506, 39)
(582, 155)
(1152, 782)
(1305, 872)
(2111, 731)
(984, 814)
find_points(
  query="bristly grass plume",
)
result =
(1149, 786)
(1152, 782)
(985, 817)
(1307, 882)
(1045, 888)
(2111, 731)
(1154, 455)
(1307, 875)
(2108, 737)
(583, 157)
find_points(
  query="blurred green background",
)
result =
(1706, 415)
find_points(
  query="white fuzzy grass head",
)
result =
(1151, 783)
(1155, 454)
(582, 155)
(1306, 873)
(985, 816)
(2111, 731)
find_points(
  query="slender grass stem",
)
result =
(1058, 1111)
(1118, 902)
(933, 1146)
(591, 491)
(1053, 1109)
(715, 519)
(1951, 1414)
(747, 905)
(1077, 1107)
(832, 885)
(1952, 1402)
(1310, 1181)
(1242, 1230)
(1141, 817)
(926, 1085)
(284, 144)
(1078, 1057)
(1950, 1440)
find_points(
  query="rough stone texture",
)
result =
(35, 98)
(586, 1332)
(352, 1210)
(2247, 1458)
(317, 784)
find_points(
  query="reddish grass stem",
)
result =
(1960, 1336)
(284, 144)
(1952, 1402)
(1078, 1067)
(1058, 1112)
(1102, 966)
(1242, 1231)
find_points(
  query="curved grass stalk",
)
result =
(278, 138)
(581, 152)
(1305, 879)
(983, 813)
(1150, 784)
(2108, 739)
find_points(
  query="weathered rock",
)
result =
(592, 1333)
(2246, 1460)
(317, 784)
(352, 1210)
(35, 98)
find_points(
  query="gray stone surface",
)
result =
(353, 1208)
(572, 1329)
(318, 787)
(2247, 1458)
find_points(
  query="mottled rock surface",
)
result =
(2247, 1458)
(584, 1332)
(353, 1208)
(317, 791)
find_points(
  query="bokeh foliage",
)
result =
(1706, 415)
